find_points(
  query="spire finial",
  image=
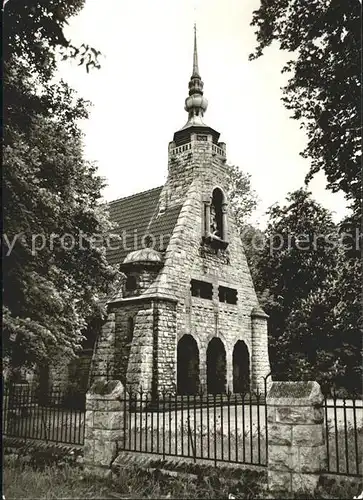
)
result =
(196, 104)
(195, 56)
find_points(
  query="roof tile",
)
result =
(136, 218)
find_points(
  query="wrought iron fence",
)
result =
(219, 428)
(53, 416)
(344, 435)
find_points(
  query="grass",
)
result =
(23, 481)
(49, 483)
(49, 476)
(45, 475)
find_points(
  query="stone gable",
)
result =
(165, 310)
(196, 321)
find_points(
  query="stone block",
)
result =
(105, 452)
(108, 420)
(299, 414)
(308, 459)
(88, 450)
(279, 481)
(88, 432)
(92, 404)
(295, 394)
(308, 435)
(113, 406)
(108, 434)
(280, 458)
(304, 483)
(106, 389)
(271, 414)
(280, 434)
(88, 421)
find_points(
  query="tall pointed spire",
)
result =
(195, 56)
(195, 104)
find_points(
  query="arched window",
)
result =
(241, 368)
(216, 367)
(216, 219)
(216, 216)
(187, 366)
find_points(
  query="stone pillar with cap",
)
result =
(296, 439)
(105, 424)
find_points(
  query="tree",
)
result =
(242, 200)
(295, 270)
(34, 33)
(53, 273)
(323, 93)
(53, 270)
(324, 89)
(347, 292)
(254, 241)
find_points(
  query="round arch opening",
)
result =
(187, 366)
(216, 367)
(241, 368)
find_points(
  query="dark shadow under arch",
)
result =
(241, 368)
(216, 367)
(187, 365)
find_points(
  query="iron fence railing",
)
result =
(344, 434)
(215, 427)
(53, 416)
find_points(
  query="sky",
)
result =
(138, 95)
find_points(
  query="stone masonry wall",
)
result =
(150, 361)
(164, 345)
(102, 365)
(140, 366)
(123, 339)
(203, 171)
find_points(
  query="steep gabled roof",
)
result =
(136, 217)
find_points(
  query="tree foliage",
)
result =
(242, 201)
(323, 92)
(34, 33)
(242, 198)
(312, 334)
(54, 269)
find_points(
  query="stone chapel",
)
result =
(187, 318)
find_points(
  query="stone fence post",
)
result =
(104, 425)
(296, 438)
